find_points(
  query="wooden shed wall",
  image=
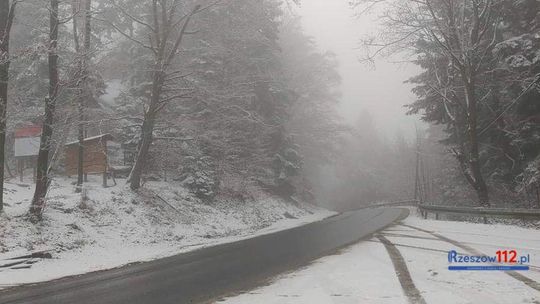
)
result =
(95, 157)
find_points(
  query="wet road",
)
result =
(207, 274)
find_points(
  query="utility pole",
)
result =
(417, 194)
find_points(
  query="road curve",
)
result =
(206, 274)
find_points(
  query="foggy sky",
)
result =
(380, 89)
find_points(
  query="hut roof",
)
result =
(101, 137)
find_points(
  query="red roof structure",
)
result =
(31, 131)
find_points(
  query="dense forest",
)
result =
(479, 90)
(269, 151)
(220, 96)
(228, 96)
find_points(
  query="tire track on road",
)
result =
(400, 266)
(413, 247)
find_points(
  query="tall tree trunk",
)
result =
(42, 174)
(86, 95)
(144, 148)
(474, 155)
(147, 130)
(7, 13)
(165, 51)
(76, 8)
(80, 149)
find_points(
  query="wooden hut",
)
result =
(95, 159)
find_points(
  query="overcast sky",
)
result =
(379, 90)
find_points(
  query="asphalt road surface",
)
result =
(205, 275)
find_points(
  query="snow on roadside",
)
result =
(486, 239)
(114, 227)
(364, 272)
(439, 285)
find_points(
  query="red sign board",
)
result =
(32, 131)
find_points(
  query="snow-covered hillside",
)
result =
(114, 226)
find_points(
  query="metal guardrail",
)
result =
(482, 212)
(530, 214)
(413, 203)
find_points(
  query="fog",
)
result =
(241, 99)
(376, 87)
(136, 134)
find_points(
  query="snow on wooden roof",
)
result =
(101, 137)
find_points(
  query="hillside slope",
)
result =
(115, 226)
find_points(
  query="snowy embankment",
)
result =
(114, 226)
(364, 273)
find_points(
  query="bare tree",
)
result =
(43, 167)
(462, 32)
(7, 14)
(167, 27)
(82, 74)
(468, 49)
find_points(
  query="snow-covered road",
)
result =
(365, 273)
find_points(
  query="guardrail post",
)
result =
(437, 216)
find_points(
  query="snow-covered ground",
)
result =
(114, 227)
(364, 273)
